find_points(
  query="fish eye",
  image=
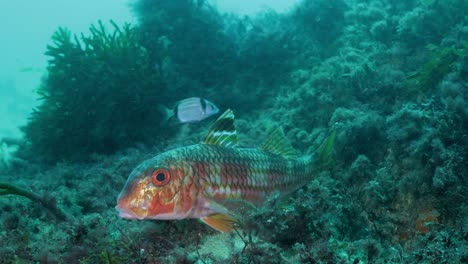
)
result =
(160, 177)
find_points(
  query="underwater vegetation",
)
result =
(93, 84)
(388, 77)
(49, 204)
(322, 20)
(439, 64)
(185, 30)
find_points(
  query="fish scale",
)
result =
(214, 179)
(265, 171)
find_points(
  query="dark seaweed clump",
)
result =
(185, 30)
(206, 53)
(99, 96)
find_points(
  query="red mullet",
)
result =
(215, 178)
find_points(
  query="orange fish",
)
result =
(215, 178)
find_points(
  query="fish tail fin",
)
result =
(166, 113)
(325, 152)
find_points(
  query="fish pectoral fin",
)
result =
(220, 222)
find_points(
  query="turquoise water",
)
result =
(27, 28)
(82, 85)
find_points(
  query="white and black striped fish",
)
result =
(190, 110)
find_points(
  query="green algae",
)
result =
(440, 62)
(96, 97)
(10, 189)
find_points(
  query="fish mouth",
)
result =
(126, 212)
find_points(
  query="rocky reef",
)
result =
(390, 77)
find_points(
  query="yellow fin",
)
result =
(277, 143)
(220, 222)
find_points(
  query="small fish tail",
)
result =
(165, 112)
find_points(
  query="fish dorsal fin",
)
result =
(220, 222)
(277, 143)
(222, 132)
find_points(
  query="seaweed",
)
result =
(98, 96)
(206, 51)
(199, 54)
(322, 20)
(7, 188)
(438, 65)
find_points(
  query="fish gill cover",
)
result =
(390, 77)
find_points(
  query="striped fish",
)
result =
(190, 110)
(214, 179)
